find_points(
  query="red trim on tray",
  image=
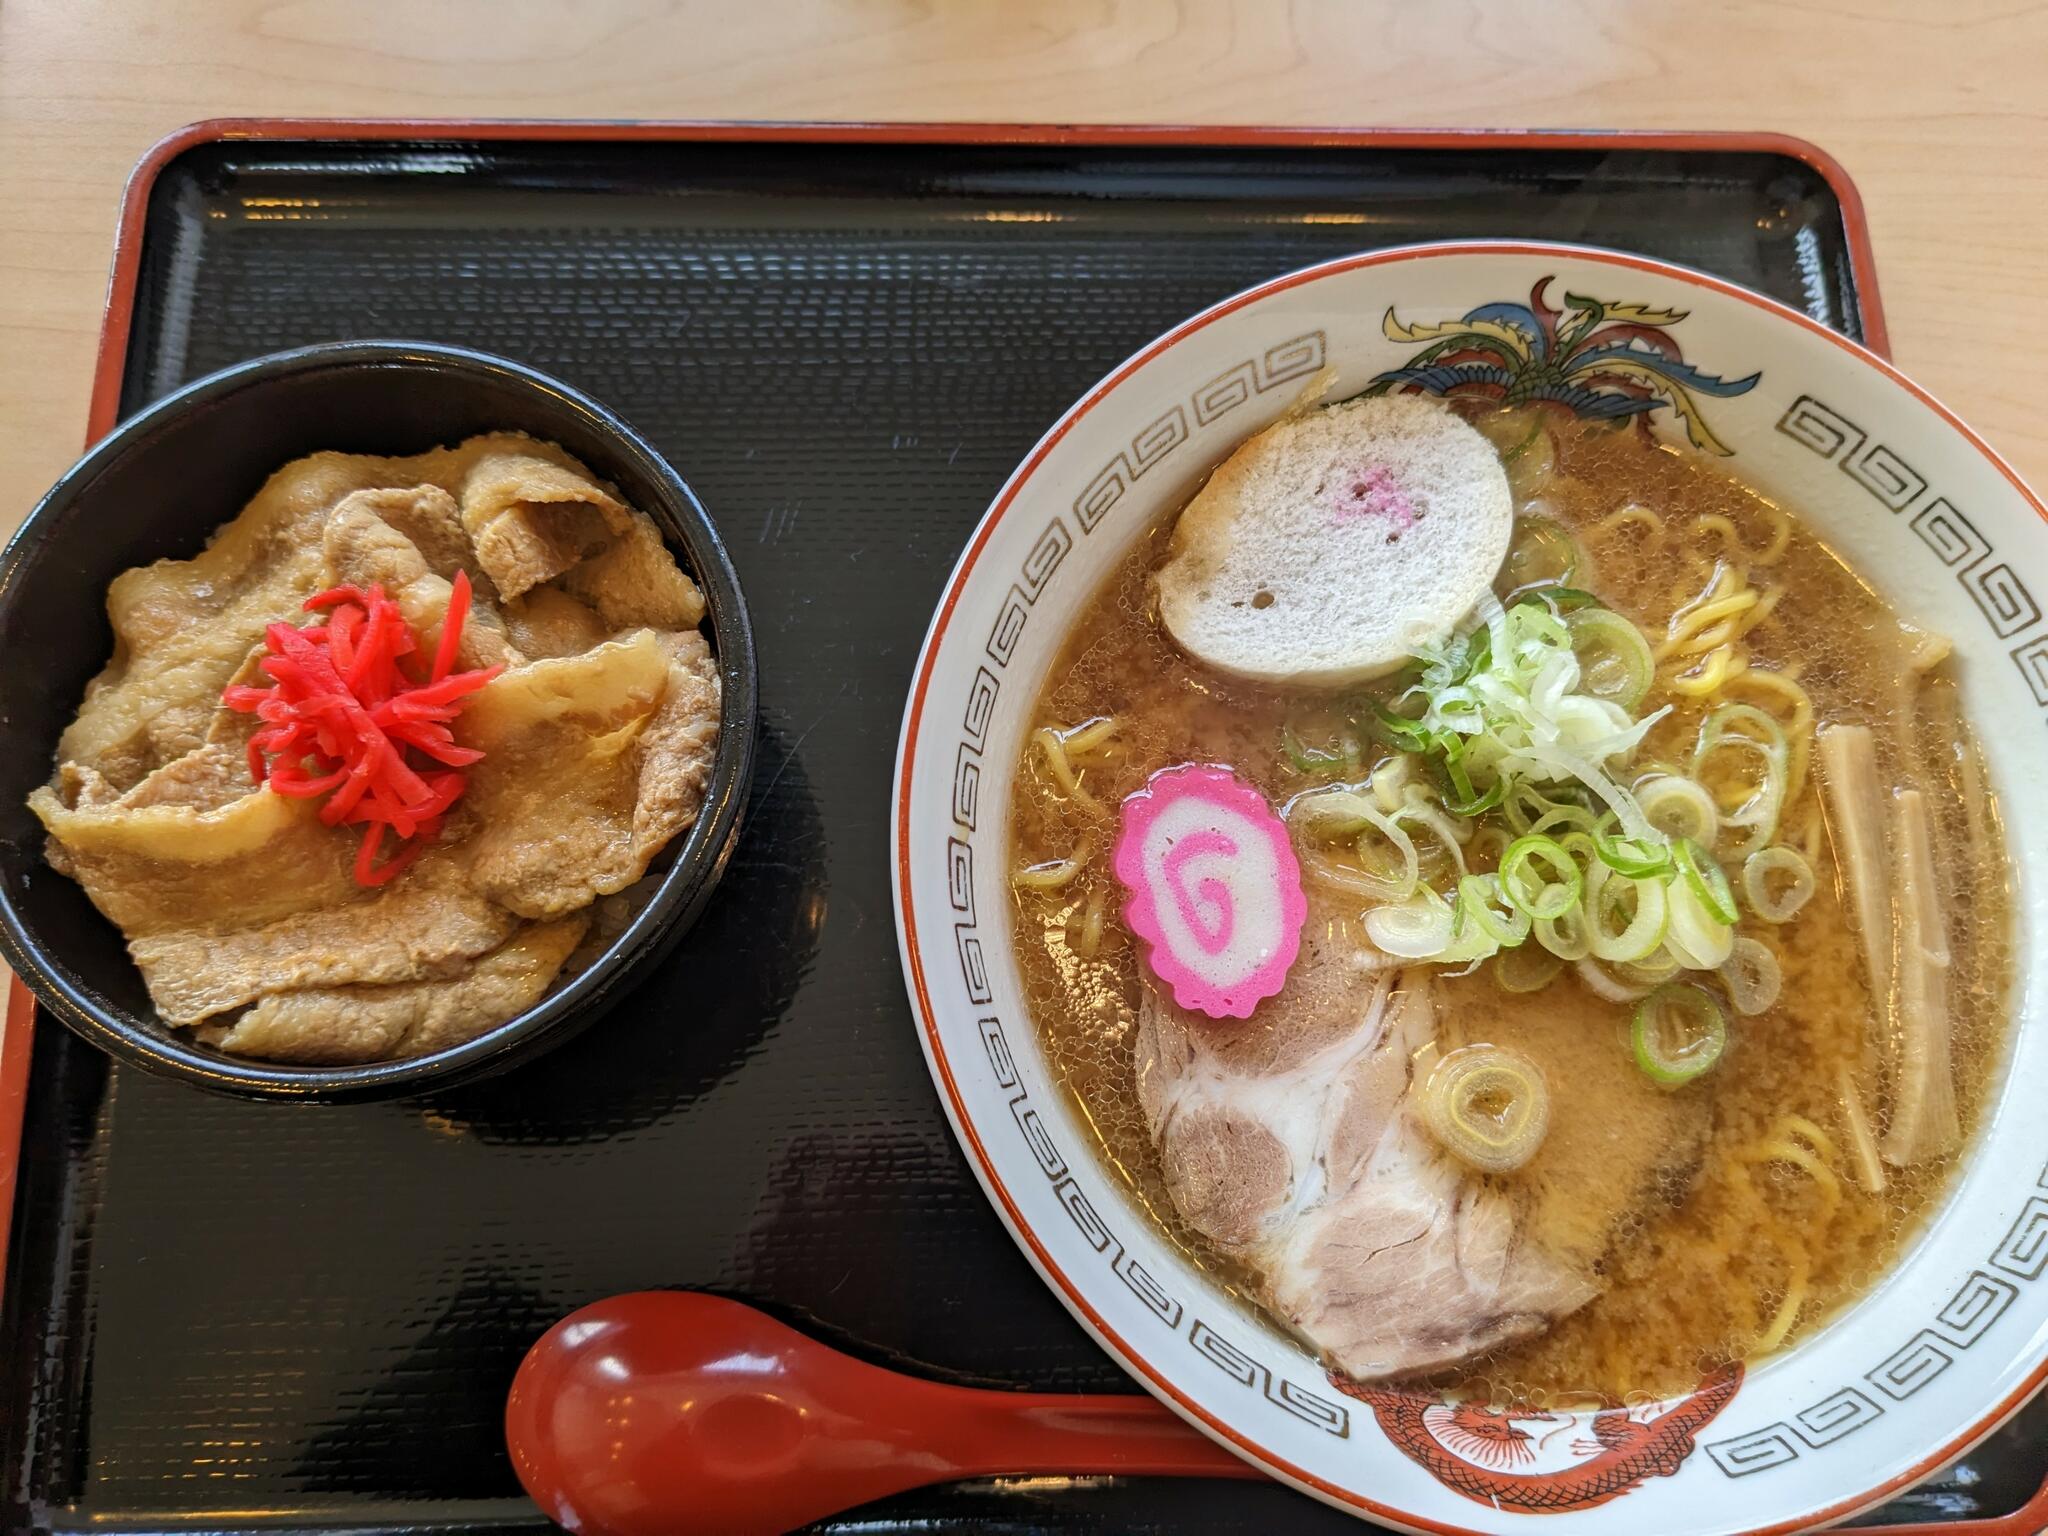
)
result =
(17, 1034)
(15, 1044)
(2029, 1519)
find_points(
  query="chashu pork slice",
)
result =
(1294, 1144)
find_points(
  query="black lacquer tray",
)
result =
(224, 1316)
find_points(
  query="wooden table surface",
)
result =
(1936, 109)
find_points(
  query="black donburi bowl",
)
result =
(156, 488)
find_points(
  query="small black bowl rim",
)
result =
(653, 930)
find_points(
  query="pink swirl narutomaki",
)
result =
(1215, 889)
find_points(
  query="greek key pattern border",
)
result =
(1978, 1303)
(2007, 604)
(1277, 365)
(1293, 359)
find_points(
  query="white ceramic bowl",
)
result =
(1941, 1352)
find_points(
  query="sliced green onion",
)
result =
(1509, 455)
(1487, 1107)
(1604, 984)
(1522, 805)
(1452, 749)
(1401, 732)
(1560, 600)
(1706, 878)
(1566, 823)
(1641, 903)
(1389, 779)
(1678, 1033)
(1326, 815)
(1697, 938)
(1677, 807)
(1420, 813)
(1416, 929)
(1526, 968)
(1541, 553)
(1521, 881)
(1340, 813)
(1661, 967)
(1744, 727)
(1614, 659)
(1579, 847)
(1598, 729)
(1502, 715)
(1753, 977)
(1528, 809)
(1639, 858)
(1536, 627)
(1489, 843)
(1567, 937)
(1400, 873)
(1344, 760)
(1480, 901)
(1757, 871)
(1477, 804)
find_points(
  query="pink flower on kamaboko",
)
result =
(1215, 889)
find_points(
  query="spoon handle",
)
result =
(1008, 1433)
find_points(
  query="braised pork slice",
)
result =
(1293, 1142)
(182, 628)
(530, 516)
(194, 841)
(331, 1026)
(406, 541)
(427, 926)
(633, 581)
(591, 763)
(548, 622)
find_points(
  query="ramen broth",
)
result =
(1747, 1225)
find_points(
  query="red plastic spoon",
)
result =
(667, 1413)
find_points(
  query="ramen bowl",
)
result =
(1941, 1350)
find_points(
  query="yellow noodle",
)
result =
(1092, 738)
(1786, 687)
(1815, 1137)
(1788, 1310)
(1714, 522)
(1781, 536)
(1710, 674)
(1054, 746)
(1054, 873)
(1688, 623)
(1762, 611)
(1631, 514)
(1722, 581)
(1791, 1152)
(1726, 631)
(1090, 942)
(1703, 570)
